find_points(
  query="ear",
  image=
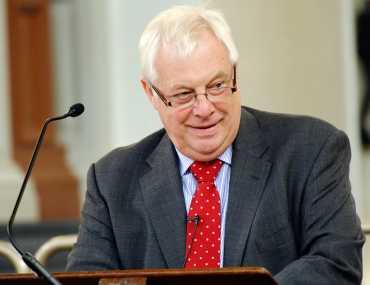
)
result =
(148, 91)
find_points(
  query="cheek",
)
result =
(227, 109)
(234, 106)
(175, 120)
(158, 104)
(231, 114)
(235, 115)
(181, 116)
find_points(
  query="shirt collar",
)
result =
(185, 161)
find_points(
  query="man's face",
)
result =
(203, 131)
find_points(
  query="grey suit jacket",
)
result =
(290, 209)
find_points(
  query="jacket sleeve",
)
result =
(331, 238)
(95, 248)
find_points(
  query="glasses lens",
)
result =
(183, 98)
(220, 94)
(183, 104)
(216, 91)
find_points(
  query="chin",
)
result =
(207, 150)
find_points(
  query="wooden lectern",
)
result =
(221, 276)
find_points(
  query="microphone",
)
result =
(74, 111)
(196, 220)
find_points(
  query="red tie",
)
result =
(204, 218)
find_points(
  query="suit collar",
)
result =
(250, 137)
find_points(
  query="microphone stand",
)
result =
(28, 258)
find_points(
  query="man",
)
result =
(221, 184)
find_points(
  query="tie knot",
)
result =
(206, 171)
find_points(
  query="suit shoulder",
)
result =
(289, 126)
(130, 154)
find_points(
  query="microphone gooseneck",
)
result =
(74, 111)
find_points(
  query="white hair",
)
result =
(181, 27)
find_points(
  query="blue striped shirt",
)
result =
(222, 183)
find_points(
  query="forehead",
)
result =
(209, 58)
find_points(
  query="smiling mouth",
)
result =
(206, 131)
(205, 127)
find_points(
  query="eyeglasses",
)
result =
(214, 93)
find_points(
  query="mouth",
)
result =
(205, 127)
(205, 130)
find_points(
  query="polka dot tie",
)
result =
(203, 233)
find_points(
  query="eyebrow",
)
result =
(219, 74)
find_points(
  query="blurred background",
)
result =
(296, 56)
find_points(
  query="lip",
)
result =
(204, 131)
(205, 127)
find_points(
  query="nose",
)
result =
(202, 106)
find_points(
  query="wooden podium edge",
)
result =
(168, 272)
(146, 274)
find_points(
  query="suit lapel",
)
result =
(164, 201)
(248, 177)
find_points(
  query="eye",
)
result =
(216, 88)
(184, 93)
(217, 85)
(183, 97)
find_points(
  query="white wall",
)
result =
(290, 56)
(97, 62)
(298, 57)
(295, 57)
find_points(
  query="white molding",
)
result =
(11, 178)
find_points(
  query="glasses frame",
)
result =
(168, 103)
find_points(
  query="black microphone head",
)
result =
(76, 110)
